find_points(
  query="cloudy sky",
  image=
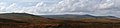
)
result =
(47, 7)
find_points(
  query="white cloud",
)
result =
(20, 0)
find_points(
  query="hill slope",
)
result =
(14, 20)
(24, 17)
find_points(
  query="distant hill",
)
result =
(78, 17)
(43, 19)
(24, 17)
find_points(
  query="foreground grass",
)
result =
(69, 25)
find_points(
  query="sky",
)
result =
(57, 7)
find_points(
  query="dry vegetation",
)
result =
(65, 24)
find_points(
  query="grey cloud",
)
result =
(95, 7)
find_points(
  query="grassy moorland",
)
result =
(23, 20)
